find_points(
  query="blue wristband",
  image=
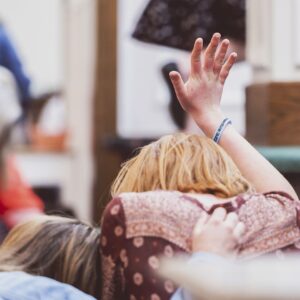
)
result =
(218, 134)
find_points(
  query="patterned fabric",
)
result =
(177, 23)
(139, 228)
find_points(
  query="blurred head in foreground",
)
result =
(60, 248)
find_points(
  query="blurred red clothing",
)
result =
(17, 200)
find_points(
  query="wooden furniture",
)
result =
(106, 163)
(272, 113)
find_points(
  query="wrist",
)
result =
(210, 249)
(209, 121)
(216, 251)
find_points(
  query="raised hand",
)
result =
(201, 94)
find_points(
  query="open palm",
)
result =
(201, 94)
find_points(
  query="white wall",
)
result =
(142, 99)
(297, 32)
(36, 28)
(142, 94)
(274, 39)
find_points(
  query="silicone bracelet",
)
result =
(218, 134)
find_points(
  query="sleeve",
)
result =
(129, 265)
(272, 223)
(181, 294)
(112, 241)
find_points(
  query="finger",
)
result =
(178, 85)
(231, 220)
(239, 230)
(209, 55)
(200, 224)
(227, 67)
(220, 56)
(218, 215)
(196, 57)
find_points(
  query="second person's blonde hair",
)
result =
(63, 249)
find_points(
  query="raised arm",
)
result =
(200, 96)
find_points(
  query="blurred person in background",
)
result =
(51, 258)
(10, 59)
(17, 200)
(44, 257)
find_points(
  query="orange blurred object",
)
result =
(43, 142)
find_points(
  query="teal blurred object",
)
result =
(285, 159)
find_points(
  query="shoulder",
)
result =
(273, 208)
(270, 204)
(162, 214)
(151, 204)
(114, 209)
(158, 202)
(272, 222)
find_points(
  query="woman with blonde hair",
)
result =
(160, 194)
(63, 249)
(182, 162)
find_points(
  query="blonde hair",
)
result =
(182, 162)
(64, 249)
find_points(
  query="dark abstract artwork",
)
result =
(177, 23)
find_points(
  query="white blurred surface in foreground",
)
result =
(269, 278)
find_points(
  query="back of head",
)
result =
(182, 162)
(60, 248)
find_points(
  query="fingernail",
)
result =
(199, 42)
(172, 74)
(217, 35)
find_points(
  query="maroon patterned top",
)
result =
(139, 228)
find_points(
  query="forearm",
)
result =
(254, 167)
